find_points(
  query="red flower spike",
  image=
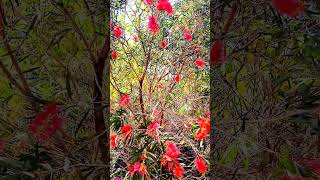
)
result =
(126, 130)
(131, 169)
(291, 8)
(46, 123)
(113, 140)
(163, 44)
(153, 24)
(153, 129)
(177, 78)
(217, 52)
(200, 165)
(114, 55)
(200, 63)
(117, 32)
(149, 2)
(124, 101)
(162, 5)
(204, 130)
(143, 156)
(178, 171)
(169, 8)
(172, 150)
(187, 35)
(51, 108)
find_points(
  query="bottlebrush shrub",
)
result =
(145, 142)
(46, 123)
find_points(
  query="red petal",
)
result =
(217, 52)
(114, 55)
(124, 101)
(199, 63)
(149, 2)
(177, 78)
(117, 32)
(153, 24)
(200, 165)
(290, 8)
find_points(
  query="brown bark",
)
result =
(102, 127)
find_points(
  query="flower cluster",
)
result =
(200, 164)
(153, 24)
(46, 123)
(204, 128)
(170, 159)
(126, 131)
(217, 52)
(164, 5)
(138, 167)
(291, 8)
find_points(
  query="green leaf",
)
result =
(230, 155)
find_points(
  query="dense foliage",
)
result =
(159, 89)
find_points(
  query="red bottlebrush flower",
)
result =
(169, 8)
(46, 123)
(162, 5)
(208, 114)
(153, 129)
(153, 24)
(138, 167)
(135, 38)
(126, 130)
(114, 55)
(177, 78)
(204, 130)
(199, 63)
(113, 140)
(217, 52)
(131, 169)
(170, 166)
(143, 156)
(313, 165)
(291, 8)
(164, 160)
(172, 150)
(124, 101)
(149, 2)
(187, 35)
(200, 165)
(51, 108)
(200, 134)
(163, 44)
(117, 32)
(178, 171)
